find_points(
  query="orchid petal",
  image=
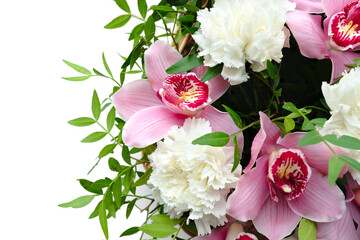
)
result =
(275, 219)
(320, 201)
(265, 139)
(217, 233)
(158, 58)
(150, 125)
(334, 6)
(308, 33)
(251, 192)
(316, 155)
(134, 97)
(218, 86)
(338, 60)
(222, 122)
(342, 229)
(355, 213)
(310, 6)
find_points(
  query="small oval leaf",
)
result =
(215, 139)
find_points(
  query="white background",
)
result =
(41, 154)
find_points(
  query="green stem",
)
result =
(177, 232)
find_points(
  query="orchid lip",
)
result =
(185, 93)
(344, 27)
(289, 172)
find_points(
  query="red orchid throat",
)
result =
(344, 27)
(289, 172)
(184, 93)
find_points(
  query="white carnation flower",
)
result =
(344, 101)
(193, 178)
(236, 31)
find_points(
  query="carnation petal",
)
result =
(158, 58)
(265, 139)
(320, 201)
(150, 125)
(275, 219)
(250, 193)
(308, 33)
(134, 97)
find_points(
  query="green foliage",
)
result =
(237, 154)
(212, 72)
(158, 230)
(234, 116)
(94, 137)
(215, 139)
(310, 138)
(185, 64)
(118, 22)
(307, 230)
(82, 122)
(123, 5)
(130, 231)
(78, 202)
(78, 68)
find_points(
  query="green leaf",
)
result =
(335, 167)
(90, 187)
(271, 69)
(357, 61)
(237, 154)
(82, 121)
(94, 137)
(95, 106)
(307, 230)
(106, 65)
(76, 79)
(78, 202)
(290, 107)
(307, 125)
(144, 178)
(234, 116)
(110, 121)
(310, 138)
(130, 231)
(95, 213)
(109, 204)
(187, 19)
(103, 219)
(177, 2)
(123, 5)
(125, 153)
(142, 6)
(212, 72)
(98, 73)
(149, 28)
(107, 150)
(163, 218)
(118, 22)
(137, 30)
(162, 8)
(114, 165)
(191, 8)
(185, 64)
(289, 124)
(215, 139)
(78, 68)
(319, 121)
(158, 230)
(128, 180)
(130, 207)
(344, 141)
(352, 162)
(117, 191)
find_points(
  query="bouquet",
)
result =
(244, 124)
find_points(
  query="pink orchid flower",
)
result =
(339, 38)
(231, 231)
(152, 106)
(288, 183)
(344, 228)
(311, 6)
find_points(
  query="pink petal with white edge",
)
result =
(320, 201)
(265, 140)
(316, 155)
(221, 122)
(310, 6)
(216, 234)
(343, 229)
(334, 6)
(250, 193)
(308, 33)
(276, 220)
(134, 97)
(218, 86)
(150, 125)
(158, 58)
(338, 60)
